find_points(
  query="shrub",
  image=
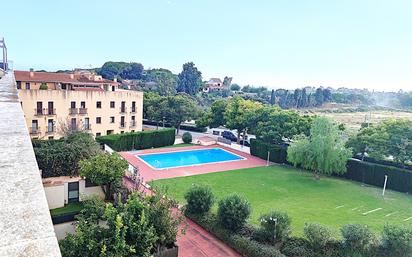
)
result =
(297, 247)
(199, 199)
(397, 240)
(276, 225)
(241, 243)
(43, 86)
(139, 140)
(317, 235)
(356, 236)
(187, 138)
(233, 212)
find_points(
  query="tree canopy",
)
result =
(190, 79)
(388, 139)
(61, 157)
(105, 170)
(323, 151)
(165, 80)
(124, 70)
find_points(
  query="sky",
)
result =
(277, 44)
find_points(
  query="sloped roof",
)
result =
(56, 78)
(214, 80)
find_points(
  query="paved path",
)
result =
(197, 242)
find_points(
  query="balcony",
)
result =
(123, 110)
(132, 124)
(122, 125)
(51, 129)
(39, 111)
(51, 111)
(82, 111)
(73, 111)
(34, 131)
(133, 109)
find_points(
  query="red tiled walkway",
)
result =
(197, 242)
(149, 174)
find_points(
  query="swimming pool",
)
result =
(187, 158)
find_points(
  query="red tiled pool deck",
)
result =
(196, 242)
(148, 174)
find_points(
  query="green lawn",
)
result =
(329, 201)
(71, 207)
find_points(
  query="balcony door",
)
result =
(73, 189)
(50, 108)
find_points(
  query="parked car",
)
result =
(245, 144)
(229, 135)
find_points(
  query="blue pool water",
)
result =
(188, 158)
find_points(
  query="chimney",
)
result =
(71, 76)
(31, 73)
(115, 79)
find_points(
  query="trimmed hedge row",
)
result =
(362, 171)
(139, 140)
(183, 127)
(242, 244)
(374, 174)
(277, 153)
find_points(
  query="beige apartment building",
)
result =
(54, 103)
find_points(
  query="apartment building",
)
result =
(54, 103)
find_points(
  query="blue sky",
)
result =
(290, 43)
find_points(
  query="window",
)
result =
(27, 85)
(73, 124)
(83, 105)
(73, 188)
(112, 105)
(112, 119)
(98, 120)
(34, 125)
(122, 123)
(18, 84)
(50, 108)
(109, 132)
(86, 123)
(50, 126)
(121, 132)
(123, 106)
(133, 106)
(113, 88)
(64, 86)
(98, 104)
(72, 105)
(51, 137)
(39, 108)
(98, 134)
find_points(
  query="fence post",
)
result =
(267, 161)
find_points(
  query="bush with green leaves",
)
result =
(297, 247)
(276, 225)
(233, 211)
(187, 138)
(357, 237)
(199, 199)
(43, 86)
(317, 235)
(397, 240)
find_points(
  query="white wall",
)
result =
(55, 196)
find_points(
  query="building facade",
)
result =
(214, 84)
(55, 103)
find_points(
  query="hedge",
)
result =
(278, 153)
(139, 140)
(183, 127)
(374, 174)
(242, 244)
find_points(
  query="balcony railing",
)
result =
(34, 130)
(82, 110)
(122, 124)
(39, 111)
(50, 111)
(133, 109)
(123, 109)
(73, 111)
(132, 124)
(87, 126)
(51, 129)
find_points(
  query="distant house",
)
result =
(214, 84)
